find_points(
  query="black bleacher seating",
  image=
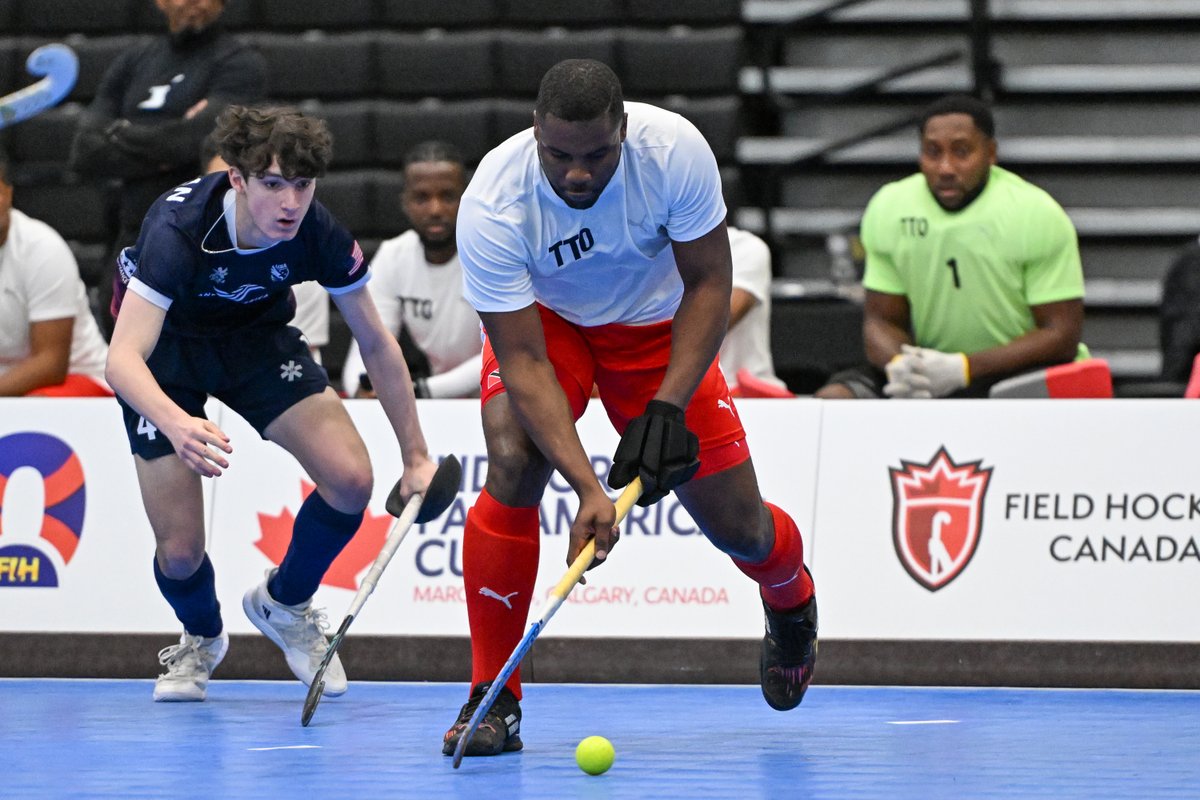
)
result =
(716, 117)
(39, 146)
(316, 14)
(75, 16)
(77, 210)
(439, 13)
(352, 123)
(389, 219)
(558, 12)
(681, 60)
(8, 13)
(239, 15)
(349, 195)
(524, 56)
(509, 117)
(436, 64)
(317, 65)
(12, 72)
(399, 125)
(692, 12)
(92, 258)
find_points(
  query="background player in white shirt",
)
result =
(747, 343)
(594, 248)
(50, 344)
(416, 281)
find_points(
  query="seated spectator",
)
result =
(747, 343)
(416, 281)
(312, 302)
(154, 105)
(972, 275)
(1179, 315)
(50, 344)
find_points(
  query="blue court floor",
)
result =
(91, 739)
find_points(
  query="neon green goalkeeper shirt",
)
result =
(971, 276)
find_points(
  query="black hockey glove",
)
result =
(658, 447)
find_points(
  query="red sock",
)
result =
(784, 583)
(500, 561)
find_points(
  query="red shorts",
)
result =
(74, 386)
(626, 363)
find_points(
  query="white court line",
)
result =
(923, 722)
(287, 747)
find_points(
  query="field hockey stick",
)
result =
(558, 594)
(60, 66)
(437, 498)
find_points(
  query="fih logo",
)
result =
(937, 516)
(63, 503)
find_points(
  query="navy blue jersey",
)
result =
(184, 261)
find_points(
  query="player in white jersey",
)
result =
(595, 249)
(417, 281)
(747, 344)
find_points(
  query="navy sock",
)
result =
(318, 535)
(194, 599)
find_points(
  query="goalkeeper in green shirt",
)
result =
(972, 276)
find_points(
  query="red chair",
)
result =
(750, 386)
(1193, 386)
(1090, 378)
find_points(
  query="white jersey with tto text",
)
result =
(520, 243)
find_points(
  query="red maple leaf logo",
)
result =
(357, 555)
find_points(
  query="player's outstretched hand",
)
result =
(946, 372)
(597, 518)
(659, 447)
(199, 443)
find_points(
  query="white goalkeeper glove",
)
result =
(945, 373)
(904, 383)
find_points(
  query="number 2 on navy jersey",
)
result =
(953, 265)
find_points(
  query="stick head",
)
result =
(438, 497)
(310, 703)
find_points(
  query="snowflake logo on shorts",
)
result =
(219, 275)
(290, 371)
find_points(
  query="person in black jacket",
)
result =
(153, 108)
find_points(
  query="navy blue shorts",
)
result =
(259, 373)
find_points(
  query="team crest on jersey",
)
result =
(219, 275)
(279, 272)
(937, 516)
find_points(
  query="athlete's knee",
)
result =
(743, 528)
(349, 491)
(517, 472)
(179, 560)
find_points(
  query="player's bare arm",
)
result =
(706, 268)
(198, 442)
(1055, 340)
(886, 325)
(48, 359)
(543, 411)
(385, 363)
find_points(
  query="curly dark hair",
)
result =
(249, 137)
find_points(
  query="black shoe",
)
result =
(498, 731)
(789, 654)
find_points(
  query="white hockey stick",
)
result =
(60, 66)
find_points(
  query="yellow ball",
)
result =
(594, 755)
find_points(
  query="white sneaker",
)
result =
(189, 665)
(299, 631)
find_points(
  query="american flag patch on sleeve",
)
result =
(356, 259)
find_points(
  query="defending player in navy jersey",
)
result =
(202, 309)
